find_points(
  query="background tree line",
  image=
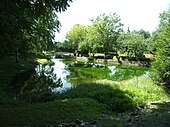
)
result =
(106, 34)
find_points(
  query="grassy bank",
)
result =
(88, 101)
(8, 70)
(13, 74)
(50, 113)
(119, 96)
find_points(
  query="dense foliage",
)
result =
(161, 65)
(101, 36)
(29, 25)
(76, 35)
(91, 42)
(132, 43)
(105, 35)
(109, 28)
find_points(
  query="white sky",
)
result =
(135, 14)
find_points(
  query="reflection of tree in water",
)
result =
(44, 81)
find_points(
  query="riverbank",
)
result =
(22, 113)
(85, 105)
(99, 58)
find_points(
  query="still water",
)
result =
(73, 72)
(60, 69)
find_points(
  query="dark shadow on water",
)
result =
(115, 99)
(35, 86)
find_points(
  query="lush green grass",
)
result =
(119, 97)
(144, 89)
(114, 98)
(17, 113)
(50, 113)
(141, 89)
(86, 101)
(131, 81)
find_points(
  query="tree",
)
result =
(132, 43)
(63, 46)
(151, 43)
(76, 35)
(29, 24)
(143, 33)
(161, 65)
(91, 42)
(108, 29)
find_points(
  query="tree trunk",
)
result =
(16, 55)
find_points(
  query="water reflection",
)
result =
(84, 71)
(112, 69)
(62, 73)
(73, 72)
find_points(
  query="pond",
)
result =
(74, 72)
(60, 69)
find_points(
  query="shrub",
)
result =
(161, 65)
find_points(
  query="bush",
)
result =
(161, 65)
(18, 80)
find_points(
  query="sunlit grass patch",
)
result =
(144, 90)
(141, 89)
(133, 82)
(42, 61)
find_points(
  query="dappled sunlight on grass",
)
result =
(157, 114)
(107, 81)
(92, 96)
(115, 97)
(134, 81)
(141, 89)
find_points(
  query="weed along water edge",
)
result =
(72, 73)
(78, 79)
(81, 77)
(90, 94)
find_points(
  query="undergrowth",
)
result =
(119, 97)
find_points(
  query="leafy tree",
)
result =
(76, 35)
(91, 42)
(151, 43)
(143, 33)
(63, 46)
(29, 25)
(101, 36)
(131, 43)
(161, 65)
(108, 30)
